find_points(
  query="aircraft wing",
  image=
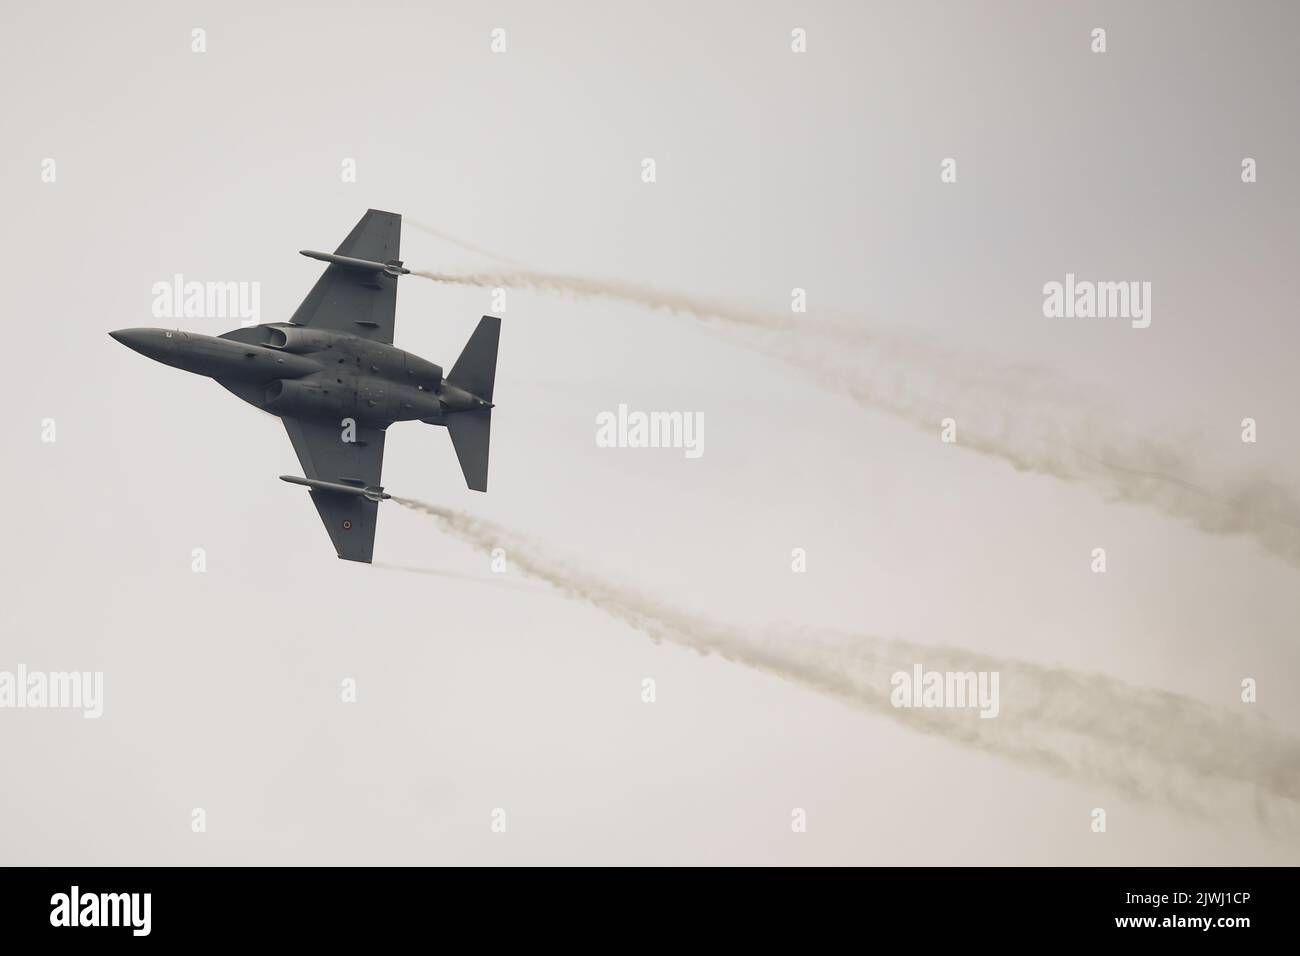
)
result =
(349, 519)
(356, 302)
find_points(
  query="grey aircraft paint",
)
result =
(333, 376)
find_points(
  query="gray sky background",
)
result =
(775, 170)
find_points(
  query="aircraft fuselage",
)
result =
(310, 373)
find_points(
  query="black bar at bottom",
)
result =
(732, 905)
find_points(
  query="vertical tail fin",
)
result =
(475, 372)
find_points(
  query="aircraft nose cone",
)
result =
(131, 338)
(149, 342)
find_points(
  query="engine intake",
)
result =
(289, 338)
(290, 397)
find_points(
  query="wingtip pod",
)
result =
(393, 267)
(339, 487)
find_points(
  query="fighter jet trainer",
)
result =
(332, 375)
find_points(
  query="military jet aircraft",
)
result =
(332, 375)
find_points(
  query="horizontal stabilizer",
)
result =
(470, 432)
(476, 369)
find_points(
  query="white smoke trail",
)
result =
(1019, 414)
(447, 237)
(585, 288)
(1149, 745)
(494, 580)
